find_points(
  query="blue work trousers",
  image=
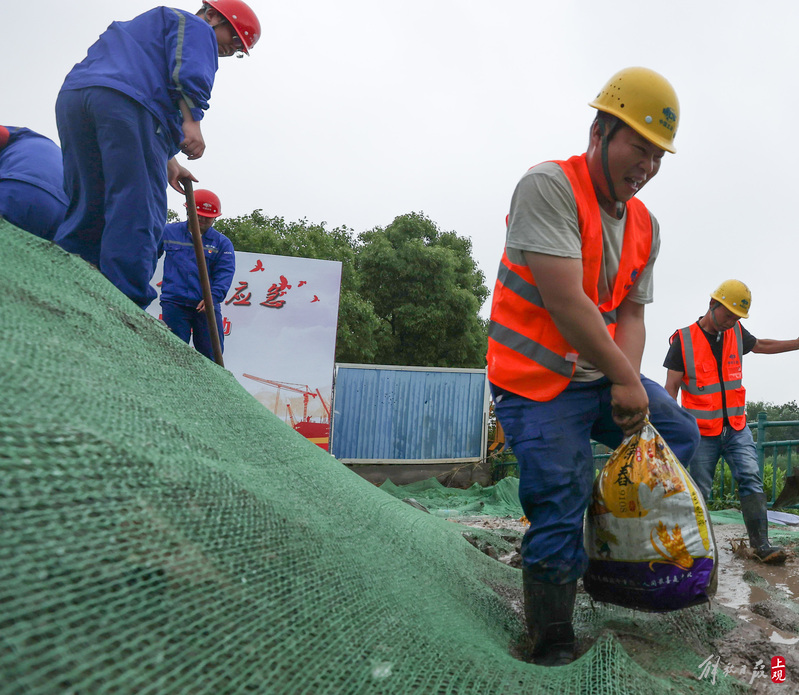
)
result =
(186, 322)
(115, 158)
(552, 443)
(738, 449)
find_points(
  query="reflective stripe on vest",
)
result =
(529, 292)
(701, 392)
(532, 350)
(527, 354)
(716, 414)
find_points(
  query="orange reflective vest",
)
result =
(701, 393)
(527, 354)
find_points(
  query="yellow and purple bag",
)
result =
(648, 533)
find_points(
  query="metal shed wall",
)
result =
(391, 414)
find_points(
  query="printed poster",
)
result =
(279, 321)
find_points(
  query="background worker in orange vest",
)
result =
(705, 361)
(567, 335)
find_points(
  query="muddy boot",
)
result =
(753, 507)
(548, 612)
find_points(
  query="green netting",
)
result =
(727, 516)
(778, 533)
(162, 532)
(501, 499)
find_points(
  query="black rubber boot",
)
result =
(548, 610)
(753, 507)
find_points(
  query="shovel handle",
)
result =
(202, 267)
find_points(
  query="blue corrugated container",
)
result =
(389, 414)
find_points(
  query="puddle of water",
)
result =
(787, 589)
(742, 595)
(777, 638)
(733, 590)
(783, 577)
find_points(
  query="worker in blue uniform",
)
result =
(31, 181)
(182, 302)
(123, 113)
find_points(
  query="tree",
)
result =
(776, 413)
(358, 326)
(426, 286)
(410, 294)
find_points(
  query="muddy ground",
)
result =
(763, 599)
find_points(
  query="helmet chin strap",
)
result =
(719, 332)
(606, 169)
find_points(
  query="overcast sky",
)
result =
(353, 112)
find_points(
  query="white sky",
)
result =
(354, 112)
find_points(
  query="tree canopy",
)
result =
(425, 285)
(410, 293)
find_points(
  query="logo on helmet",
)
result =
(670, 119)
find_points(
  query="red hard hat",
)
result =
(241, 18)
(207, 203)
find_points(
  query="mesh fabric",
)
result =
(162, 532)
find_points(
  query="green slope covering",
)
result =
(162, 532)
(500, 500)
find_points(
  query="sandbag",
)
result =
(648, 533)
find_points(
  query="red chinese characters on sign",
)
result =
(225, 326)
(259, 265)
(275, 292)
(239, 298)
(275, 295)
(777, 669)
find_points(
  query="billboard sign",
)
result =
(279, 322)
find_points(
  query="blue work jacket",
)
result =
(181, 284)
(33, 159)
(156, 59)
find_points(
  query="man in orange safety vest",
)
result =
(566, 336)
(704, 361)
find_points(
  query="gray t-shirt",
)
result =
(543, 219)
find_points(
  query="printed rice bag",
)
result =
(648, 533)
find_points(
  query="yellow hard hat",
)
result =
(645, 101)
(734, 295)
